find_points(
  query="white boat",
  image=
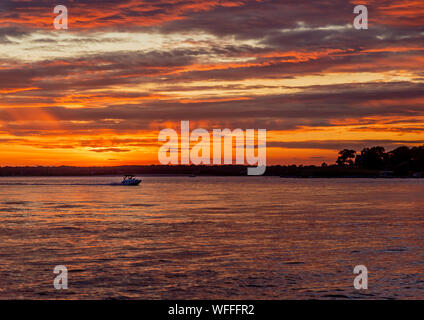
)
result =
(130, 180)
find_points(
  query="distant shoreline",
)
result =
(292, 171)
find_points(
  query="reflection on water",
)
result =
(211, 237)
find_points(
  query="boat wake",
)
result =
(57, 184)
(129, 180)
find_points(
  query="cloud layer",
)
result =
(126, 69)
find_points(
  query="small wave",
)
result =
(9, 209)
(336, 296)
(15, 202)
(141, 205)
(18, 184)
(216, 208)
(294, 262)
(68, 206)
(395, 250)
(67, 228)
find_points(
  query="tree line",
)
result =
(401, 160)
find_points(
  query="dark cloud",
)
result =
(357, 145)
(101, 150)
(8, 33)
(328, 106)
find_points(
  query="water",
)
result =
(211, 237)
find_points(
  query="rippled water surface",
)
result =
(211, 237)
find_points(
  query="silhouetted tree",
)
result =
(372, 158)
(417, 158)
(346, 158)
(400, 160)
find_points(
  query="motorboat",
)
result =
(130, 180)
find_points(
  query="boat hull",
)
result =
(134, 182)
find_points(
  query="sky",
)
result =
(99, 92)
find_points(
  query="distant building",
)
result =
(386, 174)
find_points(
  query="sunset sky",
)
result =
(99, 92)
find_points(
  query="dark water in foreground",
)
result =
(211, 237)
